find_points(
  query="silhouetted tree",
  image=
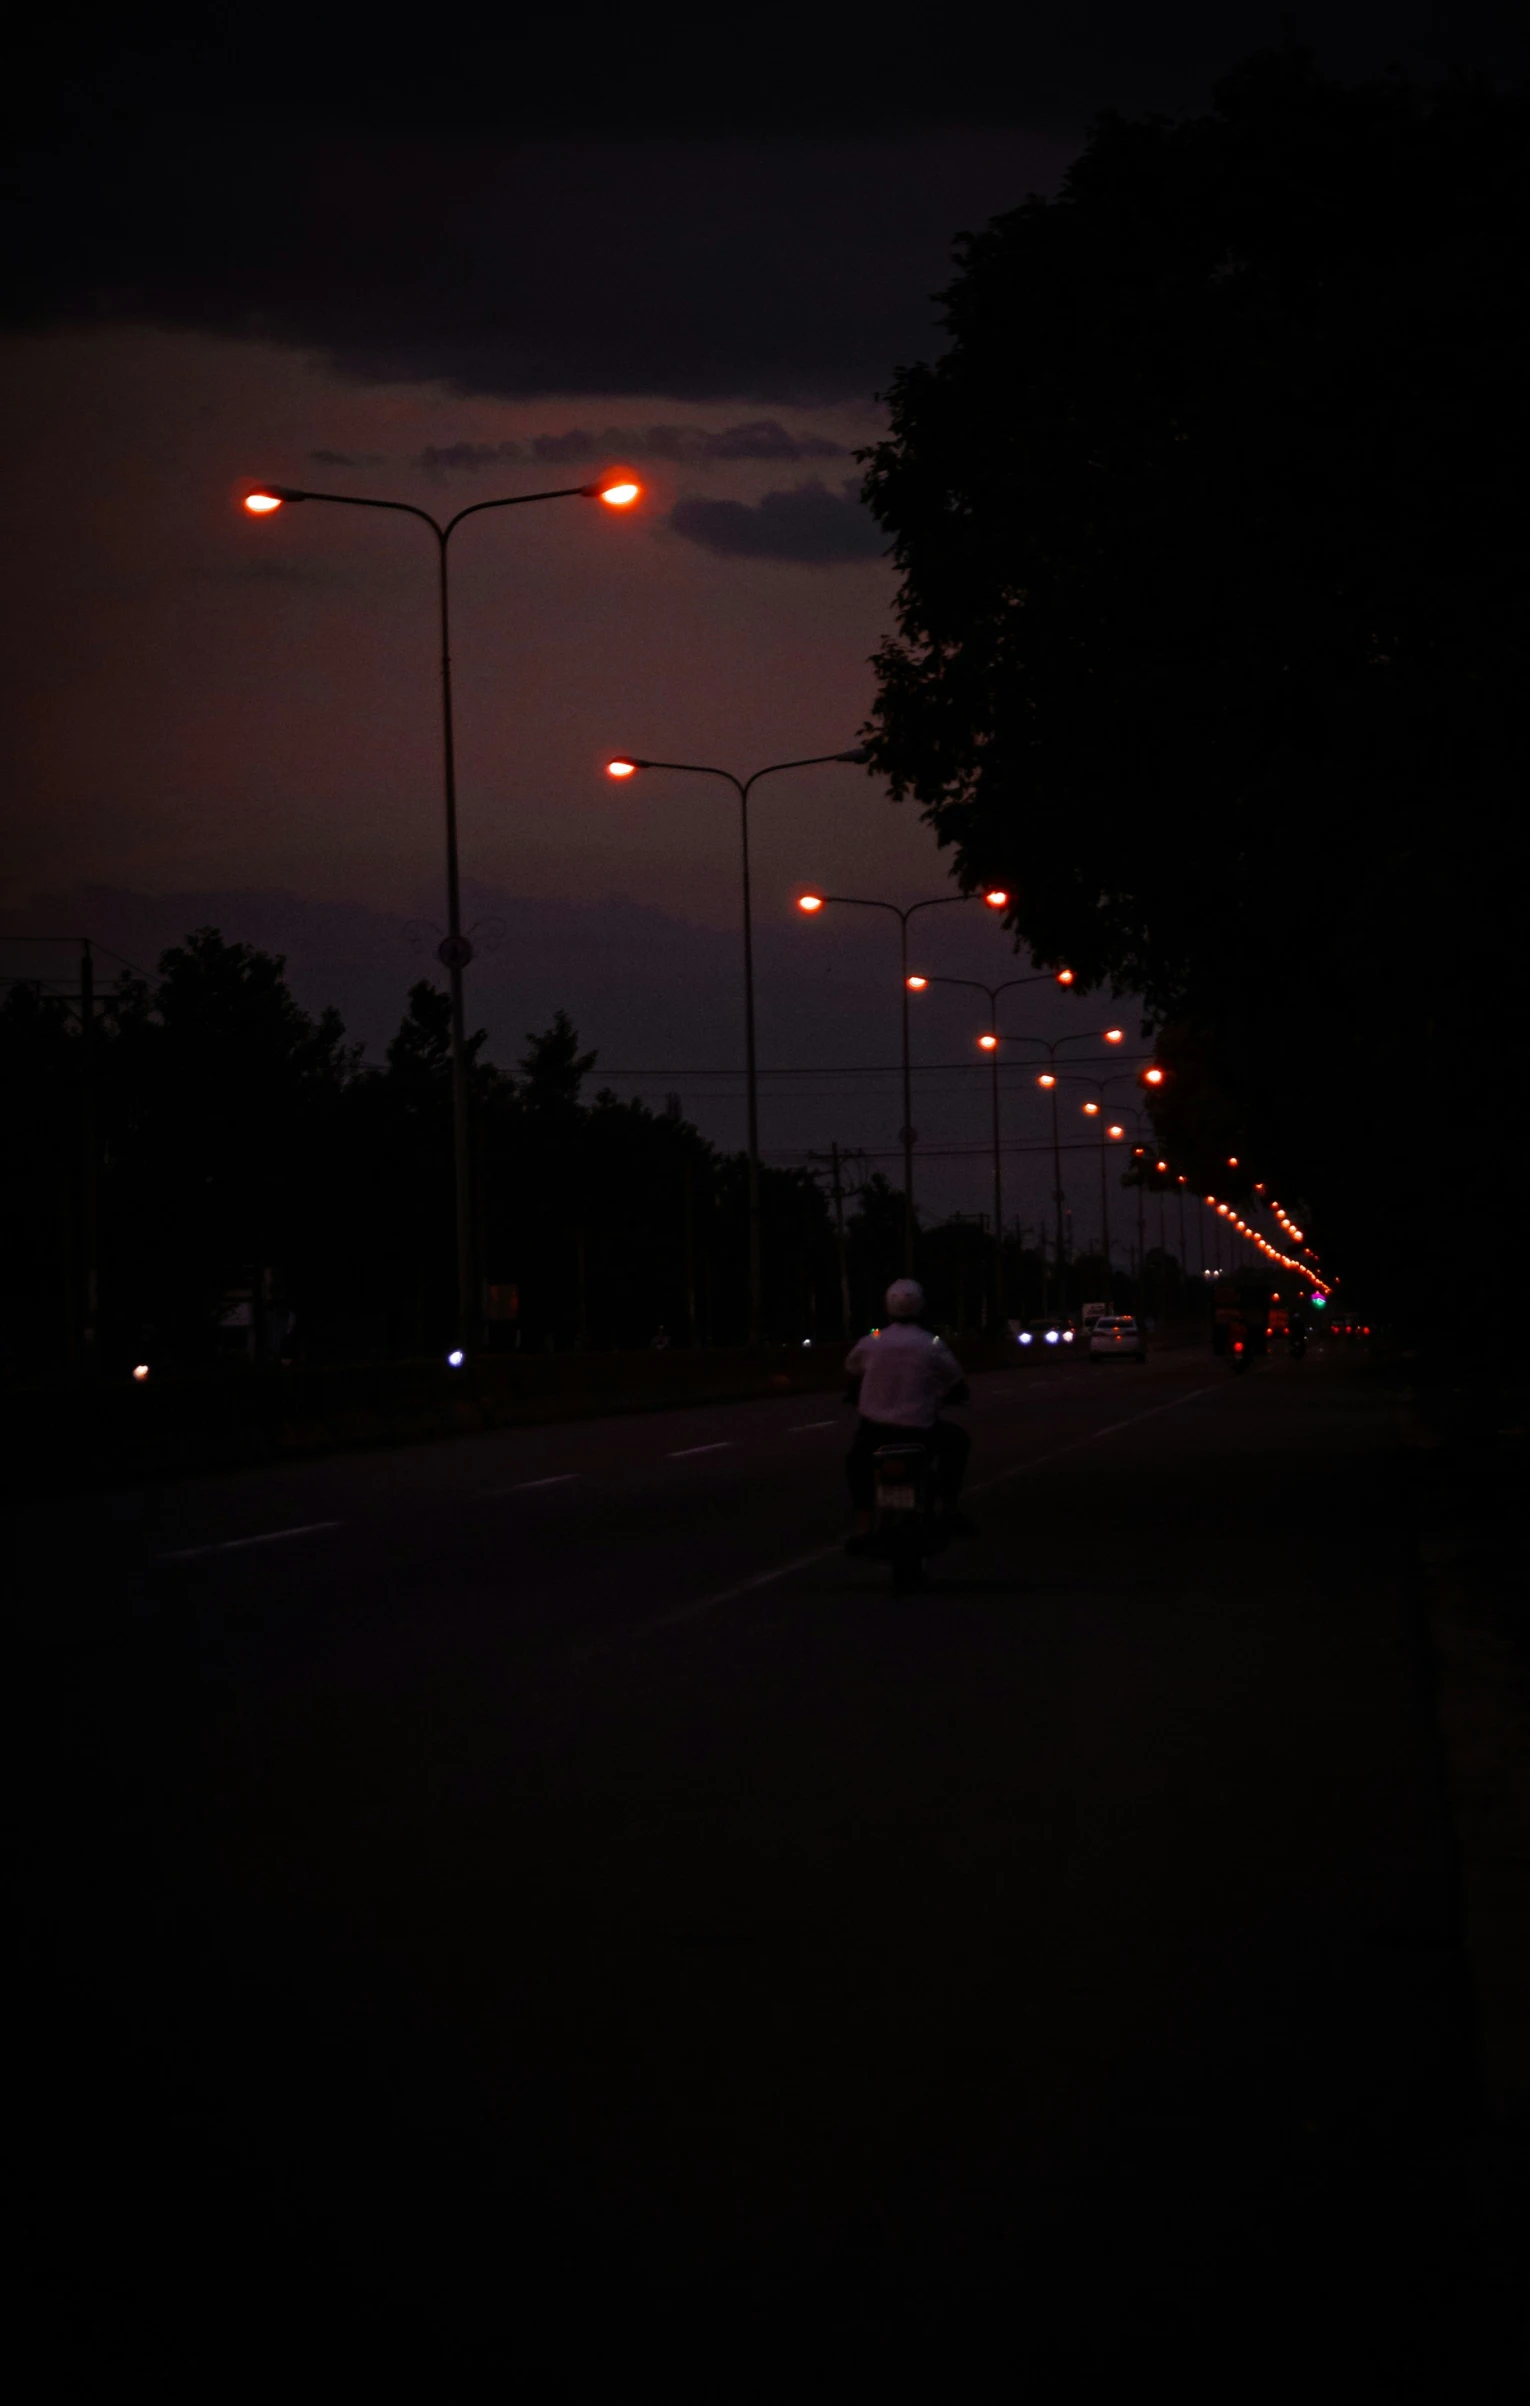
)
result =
(246, 1145)
(1211, 522)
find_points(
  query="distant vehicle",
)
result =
(1045, 1336)
(1090, 1312)
(1238, 1324)
(1117, 1338)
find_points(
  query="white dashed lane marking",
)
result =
(723, 1445)
(559, 1478)
(803, 1562)
(232, 1545)
(803, 1426)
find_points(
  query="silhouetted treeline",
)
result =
(260, 1192)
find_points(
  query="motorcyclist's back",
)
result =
(900, 1375)
(905, 1373)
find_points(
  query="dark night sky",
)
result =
(441, 255)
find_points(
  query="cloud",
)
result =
(805, 522)
(349, 459)
(748, 206)
(751, 271)
(579, 447)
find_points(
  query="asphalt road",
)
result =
(530, 1909)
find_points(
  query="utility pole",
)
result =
(836, 1160)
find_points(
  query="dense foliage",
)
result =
(262, 1191)
(1211, 523)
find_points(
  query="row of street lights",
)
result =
(618, 492)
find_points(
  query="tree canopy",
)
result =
(1210, 522)
(247, 1157)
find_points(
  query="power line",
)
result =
(862, 1069)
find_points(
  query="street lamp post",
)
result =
(997, 900)
(1048, 1080)
(627, 765)
(1140, 1154)
(1096, 1110)
(990, 1045)
(455, 950)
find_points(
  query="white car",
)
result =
(1116, 1338)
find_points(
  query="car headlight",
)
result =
(1051, 1336)
(1026, 1338)
(1067, 1336)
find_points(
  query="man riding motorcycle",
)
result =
(900, 1376)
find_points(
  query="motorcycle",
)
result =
(903, 1509)
(1239, 1354)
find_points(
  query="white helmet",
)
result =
(905, 1299)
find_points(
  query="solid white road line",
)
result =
(804, 1562)
(267, 1537)
(723, 1445)
(803, 1426)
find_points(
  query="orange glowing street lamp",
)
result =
(1047, 1081)
(618, 490)
(996, 898)
(1153, 1076)
(627, 764)
(810, 904)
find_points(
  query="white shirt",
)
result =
(904, 1372)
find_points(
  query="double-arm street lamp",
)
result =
(997, 900)
(1111, 1131)
(1144, 1148)
(1047, 1080)
(989, 1043)
(627, 764)
(455, 951)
